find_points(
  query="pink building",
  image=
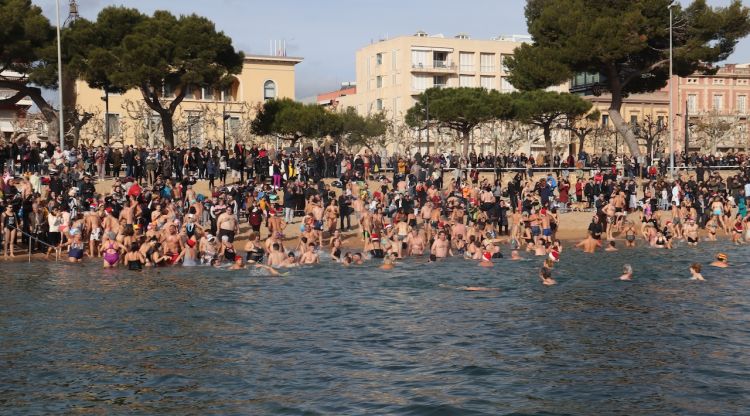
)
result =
(723, 96)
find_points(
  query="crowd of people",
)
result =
(274, 209)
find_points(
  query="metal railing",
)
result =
(38, 240)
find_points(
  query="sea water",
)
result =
(331, 340)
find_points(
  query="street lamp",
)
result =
(59, 79)
(427, 108)
(671, 94)
(224, 117)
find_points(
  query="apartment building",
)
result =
(702, 97)
(391, 73)
(204, 115)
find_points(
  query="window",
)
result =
(269, 90)
(226, 94)
(207, 93)
(487, 83)
(418, 59)
(466, 81)
(378, 82)
(718, 81)
(440, 59)
(379, 59)
(379, 104)
(441, 81)
(605, 120)
(718, 103)
(487, 62)
(660, 122)
(741, 104)
(419, 83)
(692, 80)
(394, 59)
(233, 124)
(113, 121)
(743, 82)
(633, 119)
(692, 103)
(466, 60)
(190, 94)
(506, 86)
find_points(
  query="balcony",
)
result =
(441, 67)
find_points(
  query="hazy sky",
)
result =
(328, 32)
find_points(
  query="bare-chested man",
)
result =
(415, 243)
(172, 243)
(441, 248)
(276, 256)
(227, 225)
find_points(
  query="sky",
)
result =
(327, 33)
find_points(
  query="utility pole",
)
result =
(671, 93)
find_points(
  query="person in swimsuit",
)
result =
(227, 249)
(254, 249)
(630, 235)
(134, 258)
(10, 223)
(75, 249)
(189, 255)
(110, 253)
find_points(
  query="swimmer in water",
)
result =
(388, 262)
(472, 288)
(238, 264)
(486, 259)
(611, 246)
(627, 272)
(515, 256)
(695, 272)
(545, 273)
(721, 261)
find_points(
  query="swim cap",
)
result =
(237, 258)
(721, 257)
(487, 256)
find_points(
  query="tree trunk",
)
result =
(548, 143)
(581, 141)
(465, 137)
(614, 114)
(167, 126)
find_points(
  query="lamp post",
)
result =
(427, 109)
(224, 117)
(671, 95)
(59, 79)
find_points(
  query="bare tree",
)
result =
(147, 126)
(649, 133)
(712, 128)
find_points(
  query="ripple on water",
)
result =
(329, 340)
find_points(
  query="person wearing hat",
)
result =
(486, 259)
(722, 261)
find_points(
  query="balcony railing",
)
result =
(436, 66)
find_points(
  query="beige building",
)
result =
(392, 73)
(200, 119)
